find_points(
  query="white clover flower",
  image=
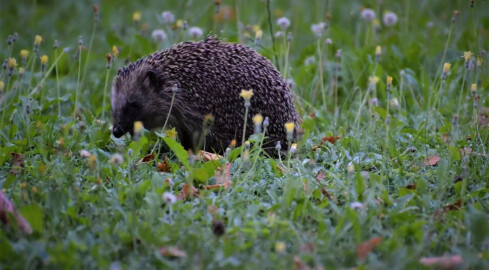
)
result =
(116, 159)
(279, 34)
(283, 22)
(374, 101)
(158, 35)
(85, 154)
(390, 18)
(356, 205)
(195, 32)
(169, 198)
(309, 60)
(368, 14)
(167, 17)
(318, 29)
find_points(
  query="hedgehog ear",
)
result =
(152, 79)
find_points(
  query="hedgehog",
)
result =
(203, 79)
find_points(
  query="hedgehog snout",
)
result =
(118, 131)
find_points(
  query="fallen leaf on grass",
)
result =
(173, 252)
(6, 208)
(17, 163)
(146, 159)
(188, 191)
(411, 186)
(445, 262)
(331, 139)
(207, 156)
(451, 207)
(432, 160)
(366, 247)
(164, 166)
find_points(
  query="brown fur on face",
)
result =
(209, 76)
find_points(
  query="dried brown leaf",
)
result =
(17, 163)
(366, 247)
(432, 160)
(173, 252)
(207, 156)
(164, 166)
(146, 159)
(188, 191)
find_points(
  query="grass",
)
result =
(380, 179)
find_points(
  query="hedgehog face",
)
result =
(134, 98)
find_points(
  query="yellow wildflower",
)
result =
(257, 119)
(378, 50)
(44, 60)
(446, 67)
(246, 94)
(12, 62)
(373, 80)
(24, 54)
(258, 34)
(37, 40)
(172, 133)
(280, 247)
(115, 51)
(376, 22)
(473, 88)
(479, 61)
(2, 85)
(389, 80)
(136, 16)
(21, 71)
(289, 127)
(179, 24)
(138, 126)
(467, 56)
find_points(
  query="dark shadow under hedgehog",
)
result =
(209, 76)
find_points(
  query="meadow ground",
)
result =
(392, 170)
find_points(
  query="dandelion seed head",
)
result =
(116, 159)
(390, 18)
(318, 29)
(356, 205)
(158, 35)
(195, 32)
(169, 198)
(283, 22)
(167, 17)
(368, 14)
(84, 153)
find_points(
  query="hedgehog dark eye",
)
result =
(134, 104)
